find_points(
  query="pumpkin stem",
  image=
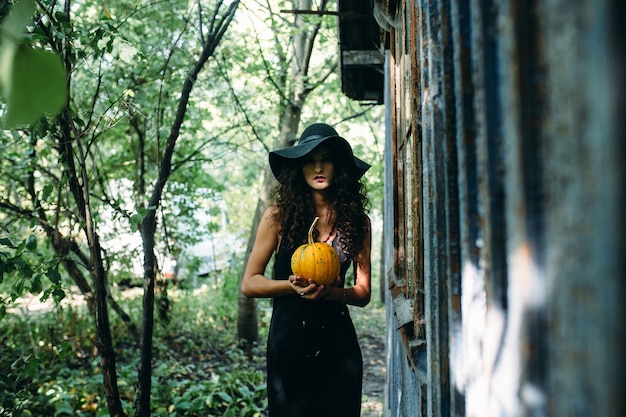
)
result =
(311, 231)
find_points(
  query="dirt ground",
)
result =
(370, 327)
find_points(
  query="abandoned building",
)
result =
(505, 186)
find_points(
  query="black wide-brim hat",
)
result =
(313, 136)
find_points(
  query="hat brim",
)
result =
(281, 157)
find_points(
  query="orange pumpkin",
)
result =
(317, 261)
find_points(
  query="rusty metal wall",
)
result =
(504, 207)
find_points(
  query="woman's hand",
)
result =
(300, 285)
(308, 289)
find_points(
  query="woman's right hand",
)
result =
(308, 289)
(301, 285)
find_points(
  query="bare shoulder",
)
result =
(270, 220)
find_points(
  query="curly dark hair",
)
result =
(347, 199)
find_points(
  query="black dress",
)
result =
(314, 362)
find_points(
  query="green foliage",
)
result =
(25, 269)
(48, 364)
(233, 389)
(32, 81)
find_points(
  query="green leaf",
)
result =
(47, 190)
(17, 290)
(7, 266)
(135, 220)
(31, 243)
(225, 397)
(183, 406)
(7, 242)
(11, 31)
(53, 275)
(35, 284)
(37, 86)
(64, 410)
(19, 17)
(58, 295)
(24, 269)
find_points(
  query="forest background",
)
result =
(134, 167)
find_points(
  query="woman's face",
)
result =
(318, 168)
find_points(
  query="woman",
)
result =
(314, 363)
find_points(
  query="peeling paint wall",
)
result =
(504, 222)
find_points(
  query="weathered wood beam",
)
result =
(366, 57)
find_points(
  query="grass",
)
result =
(49, 366)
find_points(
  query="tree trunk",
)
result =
(80, 192)
(78, 179)
(219, 25)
